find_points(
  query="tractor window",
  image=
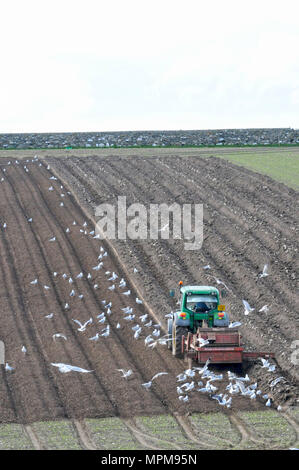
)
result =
(209, 302)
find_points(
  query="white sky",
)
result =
(146, 65)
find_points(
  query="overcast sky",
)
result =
(146, 65)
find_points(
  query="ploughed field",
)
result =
(249, 221)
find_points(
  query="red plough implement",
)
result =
(224, 347)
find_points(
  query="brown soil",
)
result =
(245, 227)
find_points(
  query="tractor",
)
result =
(201, 330)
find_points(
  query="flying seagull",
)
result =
(265, 271)
(59, 335)
(82, 327)
(247, 307)
(126, 373)
(65, 368)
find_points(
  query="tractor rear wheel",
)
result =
(177, 333)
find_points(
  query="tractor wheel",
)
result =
(177, 333)
(169, 331)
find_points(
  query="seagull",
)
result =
(55, 274)
(95, 338)
(113, 277)
(122, 283)
(51, 315)
(51, 188)
(189, 372)
(138, 301)
(129, 317)
(137, 333)
(265, 271)
(127, 310)
(72, 293)
(143, 317)
(125, 373)
(64, 368)
(234, 324)
(276, 381)
(204, 369)
(207, 266)
(247, 307)
(221, 400)
(80, 275)
(30, 220)
(82, 327)
(156, 332)
(185, 398)
(267, 365)
(24, 350)
(189, 386)
(128, 292)
(67, 230)
(148, 340)
(147, 385)
(268, 402)
(158, 375)
(168, 315)
(8, 367)
(203, 342)
(149, 324)
(34, 282)
(66, 307)
(118, 326)
(265, 308)
(135, 270)
(98, 267)
(106, 332)
(102, 320)
(221, 283)
(135, 327)
(58, 335)
(181, 377)
(112, 287)
(203, 390)
(243, 379)
(52, 239)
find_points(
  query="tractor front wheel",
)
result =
(177, 333)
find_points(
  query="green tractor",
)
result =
(200, 308)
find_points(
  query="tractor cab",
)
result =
(199, 308)
(199, 304)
